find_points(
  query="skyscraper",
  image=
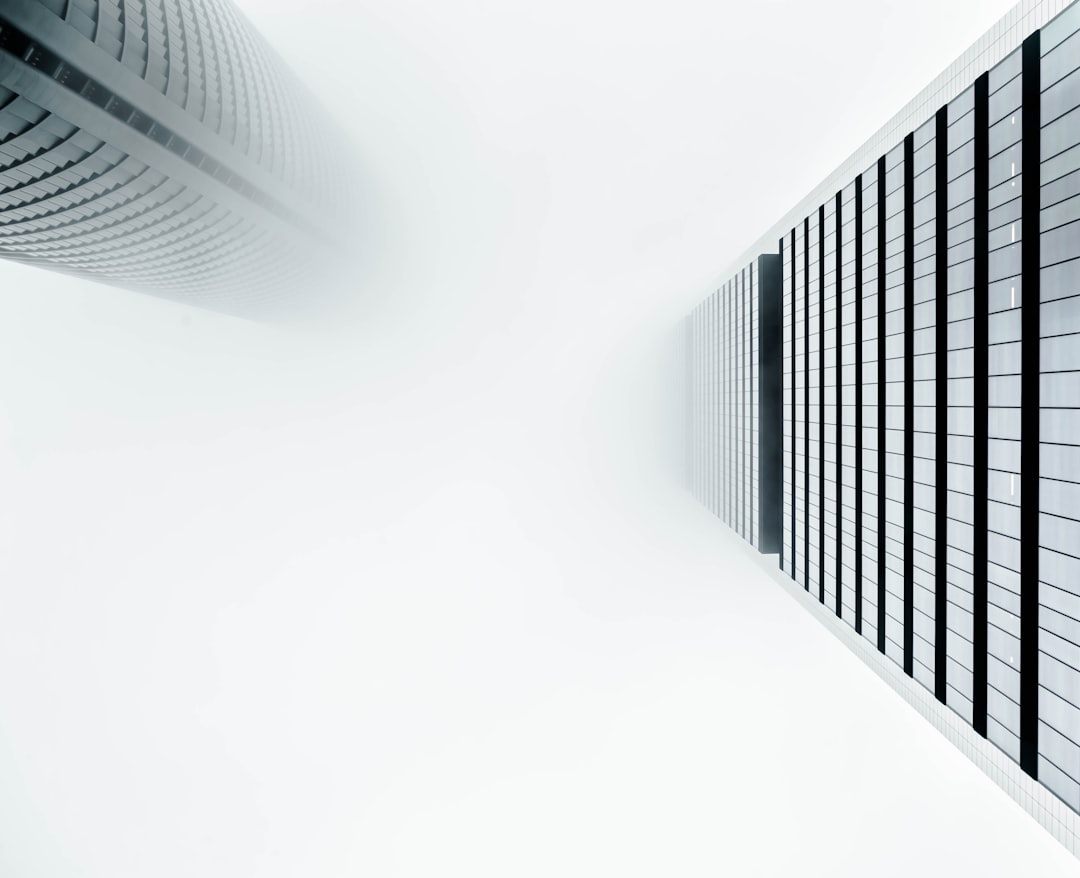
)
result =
(930, 400)
(162, 146)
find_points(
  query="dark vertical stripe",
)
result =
(909, 403)
(762, 304)
(881, 404)
(742, 409)
(806, 403)
(729, 480)
(941, 387)
(794, 552)
(981, 366)
(747, 406)
(858, 404)
(736, 420)
(740, 394)
(771, 403)
(821, 402)
(1030, 403)
(729, 403)
(691, 354)
(839, 420)
(703, 378)
(733, 406)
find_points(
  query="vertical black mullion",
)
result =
(748, 426)
(981, 400)
(707, 342)
(766, 366)
(1030, 401)
(742, 406)
(881, 403)
(909, 403)
(714, 380)
(728, 424)
(806, 403)
(858, 403)
(702, 339)
(941, 387)
(736, 374)
(703, 400)
(729, 313)
(718, 385)
(821, 402)
(716, 451)
(794, 553)
(700, 430)
(694, 402)
(770, 388)
(724, 409)
(730, 333)
(747, 380)
(748, 454)
(839, 420)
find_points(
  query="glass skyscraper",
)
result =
(928, 402)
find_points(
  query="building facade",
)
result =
(930, 476)
(736, 338)
(162, 146)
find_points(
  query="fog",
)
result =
(412, 585)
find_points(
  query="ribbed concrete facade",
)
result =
(162, 146)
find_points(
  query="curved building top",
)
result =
(162, 146)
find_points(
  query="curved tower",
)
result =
(162, 146)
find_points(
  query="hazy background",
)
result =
(412, 588)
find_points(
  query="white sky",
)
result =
(411, 589)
